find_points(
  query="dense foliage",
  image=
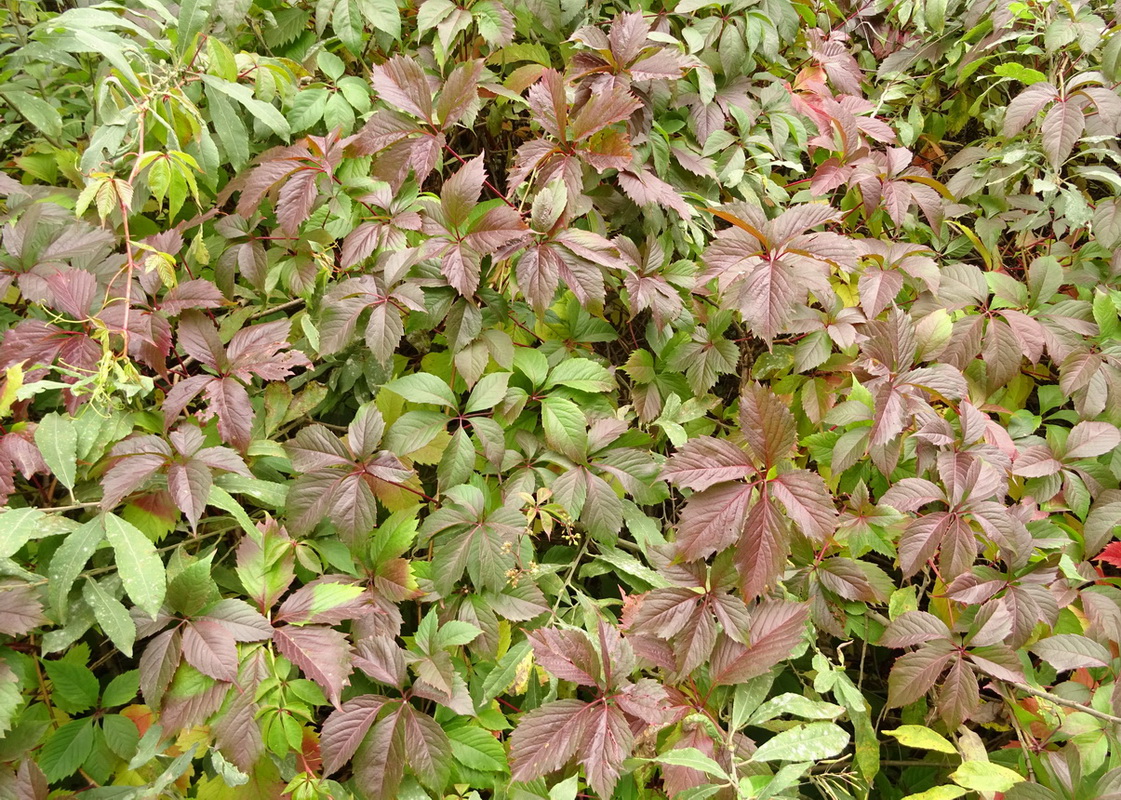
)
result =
(540, 399)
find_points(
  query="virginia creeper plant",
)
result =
(534, 400)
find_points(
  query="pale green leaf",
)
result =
(812, 742)
(112, 616)
(423, 387)
(57, 440)
(984, 776)
(923, 738)
(138, 564)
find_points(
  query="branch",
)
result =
(1062, 701)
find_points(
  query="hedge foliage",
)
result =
(541, 399)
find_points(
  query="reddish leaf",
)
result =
(210, 648)
(1111, 554)
(346, 727)
(546, 739)
(766, 424)
(704, 461)
(323, 654)
(21, 611)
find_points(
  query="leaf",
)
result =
(807, 501)
(140, 567)
(111, 615)
(813, 741)
(923, 738)
(704, 461)
(984, 776)
(345, 728)
(21, 611)
(608, 742)
(777, 628)
(323, 654)
(477, 749)
(713, 519)
(211, 649)
(17, 527)
(57, 440)
(1062, 128)
(938, 793)
(546, 739)
(380, 761)
(75, 687)
(1066, 651)
(423, 387)
(767, 424)
(265, 112)
(565, 427)
(914, 674)
(189, 484)
(427, 749)
(66, 749)
(692, 758)
(1091, 439)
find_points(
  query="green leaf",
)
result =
(17, 527)
(581, 374)
(984, 776)
(423, 387)
(57, 440)
(10, 697)
(230, 129)
(694, 759)
(121, 735)
(455, 633)
(68, 561)
(505, 672)
(565, 427)
(307, 109)
(222, 499)
(330, 64)
(923, 738)
(35, 110)
(795, 705)
(74, 686)
(111, 615)
(488, 392)
(812, 742)
(67, 749)
(476, 748)
(121, 690)
(265, 112)
(140, 567)
(193, 16)
(383, 15)
(937, 793)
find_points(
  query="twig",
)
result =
(1062, 701)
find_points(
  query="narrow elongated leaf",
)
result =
(57, 440)
(140, 567)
